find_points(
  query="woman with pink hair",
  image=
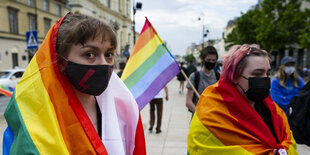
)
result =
(236, 115)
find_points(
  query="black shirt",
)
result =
(99, 120)
(265, 114)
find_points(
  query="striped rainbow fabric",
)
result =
(7, 91)
(45, 116)
(224, 123)
(150, 66)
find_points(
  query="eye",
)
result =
(90, 55)
(109, 55)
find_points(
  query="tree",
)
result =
(304, 36)
(190, 57)
(280, 23)
(244, 31)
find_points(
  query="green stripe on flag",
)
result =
(22, 143)
(132, 79)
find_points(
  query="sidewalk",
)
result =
(175, 126)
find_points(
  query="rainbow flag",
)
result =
(45, 116)
(150, 66)
(225, 123)
(5, 90)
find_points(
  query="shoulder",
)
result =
(301, 81)
(275, 80)
(192, 76)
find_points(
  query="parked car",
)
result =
(11, 77)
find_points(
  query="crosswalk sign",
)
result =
(32, 39)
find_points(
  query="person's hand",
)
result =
(166, 97)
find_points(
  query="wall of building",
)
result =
(16, 43)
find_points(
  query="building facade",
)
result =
(20, 16)
(115, 12)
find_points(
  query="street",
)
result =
(4, 100)
(175, 125)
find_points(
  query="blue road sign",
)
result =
(32, 39)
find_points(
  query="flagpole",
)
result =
(190, 83)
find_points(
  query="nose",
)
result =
(102, 60)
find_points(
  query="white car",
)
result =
(11, 77)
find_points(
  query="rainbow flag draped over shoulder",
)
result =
(150, 66)
(225, 123)
(45, 116)
(7, 91)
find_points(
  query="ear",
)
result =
(62, 65)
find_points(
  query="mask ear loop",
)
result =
(237, 84)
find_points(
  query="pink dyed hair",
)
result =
(235, 61)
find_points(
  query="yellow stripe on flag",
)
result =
(201, 141)
(141, 56)
(41, 125)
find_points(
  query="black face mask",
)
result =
(89, 79)
(209, 65)
(258, 88)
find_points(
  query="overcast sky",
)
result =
(176, 21)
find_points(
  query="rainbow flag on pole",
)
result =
(150, 66)
(7, 91)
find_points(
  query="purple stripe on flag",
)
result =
(157, 85)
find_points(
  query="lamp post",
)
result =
(205, 32)
(137, 6)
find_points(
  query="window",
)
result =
(32, 21)
(18, 74)
(109, 3)
(46, 5)
(13, 20)
(127, 8)
(119, 6)
(31, 3)
(15, 59)
(47, 25)
(128, 39)
(58, 10)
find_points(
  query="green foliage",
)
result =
(190, 57)
(244, 32)
(304, 37)
(278, 24)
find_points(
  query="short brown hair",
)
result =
(209, 50)
(77, 28)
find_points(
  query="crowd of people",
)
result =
(236, 109)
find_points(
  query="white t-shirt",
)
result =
(160, 94)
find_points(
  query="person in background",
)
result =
(181, 78)
(121, 67)
(158, 102)
(69, 100)
(203, 78)
(286, 84)
(191, 68)
(237, 115)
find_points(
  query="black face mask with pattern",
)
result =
(89, 79)
(258, 88)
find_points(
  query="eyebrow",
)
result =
(261, 70)
(90, 46)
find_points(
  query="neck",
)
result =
(84, 98)
(205, 70)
